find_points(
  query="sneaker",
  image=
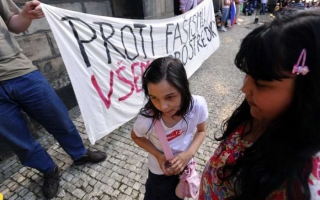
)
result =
(223, 29)
(91, 157)
(50, 185)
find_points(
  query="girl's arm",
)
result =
(182, 159)
(149, 147)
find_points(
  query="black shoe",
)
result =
(50, 185)
(91, 156)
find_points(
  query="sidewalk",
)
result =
(123, 174)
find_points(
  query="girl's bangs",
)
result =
(260, 55)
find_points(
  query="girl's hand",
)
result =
(164, 165)
(179, 162)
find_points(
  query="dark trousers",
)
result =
(161, 187)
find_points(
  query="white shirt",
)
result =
(179, 136)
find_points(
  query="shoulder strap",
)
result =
(163, 140)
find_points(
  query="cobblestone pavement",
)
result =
(123, 174)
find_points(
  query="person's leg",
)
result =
(225, 12)
(263, 9)
(38, 99)
(237, 12)
(250, 9)
(14, 130)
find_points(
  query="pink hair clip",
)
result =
(301, 69)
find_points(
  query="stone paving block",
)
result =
(32, 187)
(108, 198)
(37, 190)
(18, 189)
(5, 191)
(137, 186)
(31, 196)
(98, 185)
(23, 192)
(88, 189)
(21, 178)
(78, 193)
(141, 196)
(115, 193)
(26, 182)
(15, 196)
(88, 197)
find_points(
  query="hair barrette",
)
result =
(301, 69)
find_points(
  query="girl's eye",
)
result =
(259, 84)
(170, 97)
(153, 98)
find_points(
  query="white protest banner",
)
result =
(105, 57)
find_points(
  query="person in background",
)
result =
(186, 5)
(270, 146)
(23, 87)
(225, 14)
(298, 5)
(237, 2)
(263, 7)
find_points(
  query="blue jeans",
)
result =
(33, 94)
(263, 8)
(225, 13)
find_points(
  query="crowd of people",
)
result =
(298, 4)
(269, 146)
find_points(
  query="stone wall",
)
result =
(143, 9)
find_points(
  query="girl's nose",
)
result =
(164, 105)
(246, 88)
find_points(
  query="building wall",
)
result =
(158, 9)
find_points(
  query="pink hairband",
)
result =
(301, 69)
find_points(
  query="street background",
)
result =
(123, 174)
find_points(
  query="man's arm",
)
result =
(20, 22)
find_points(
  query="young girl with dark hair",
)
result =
(270, 147)
(182, 116)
